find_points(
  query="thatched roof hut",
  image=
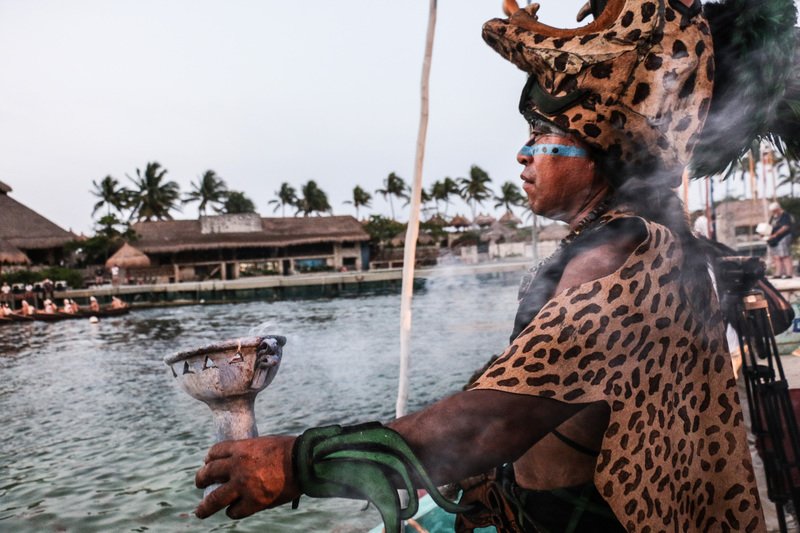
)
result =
(11, 255)
(553, 232)
(27, 230)
(498, 232)
(245, 231)
(484, 220)
(437, 220)
(459, 221)
(423, 239)
(510, 219)
(128, 257)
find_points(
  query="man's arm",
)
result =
(457, 437)
(462, 435)
(474, 431)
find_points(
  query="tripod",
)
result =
(773, 421)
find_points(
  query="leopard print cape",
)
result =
(674, 456)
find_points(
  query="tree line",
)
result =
(473, 189)
(151, 196)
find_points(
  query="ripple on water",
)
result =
(96, 437)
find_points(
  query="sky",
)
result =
(261, 92)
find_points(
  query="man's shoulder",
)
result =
(604, 252)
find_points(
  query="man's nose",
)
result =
(525, 156)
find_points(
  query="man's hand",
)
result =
(255, 474)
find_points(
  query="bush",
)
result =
(74, 278)
(382, 229)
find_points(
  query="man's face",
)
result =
(558, 177)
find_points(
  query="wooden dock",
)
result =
(298, 286)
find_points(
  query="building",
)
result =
(736, 223)
(232, 246)
(26, 231)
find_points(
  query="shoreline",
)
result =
(299, 286)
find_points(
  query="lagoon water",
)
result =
(97, 437)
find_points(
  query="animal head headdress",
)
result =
(637, 84)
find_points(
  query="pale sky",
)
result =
(259, 91)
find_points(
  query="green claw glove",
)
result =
(363, 462)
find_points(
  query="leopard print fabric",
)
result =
(647, 73)
(674, 456)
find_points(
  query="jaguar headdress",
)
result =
(638, 83)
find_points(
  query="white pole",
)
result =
(410, 251)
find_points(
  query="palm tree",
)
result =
(152, 197)
(475, 189)
(425, 198)
(361, 198)
(112, 228)
(287, 195)
(788, 170)
(110, 194)
(236, 202)
(509, 196)
(441, 191)
(210, 189)
(314, 200)
(393, 185)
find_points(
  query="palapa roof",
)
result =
(424, 238)
(128, 257)
(26, 229)
(498, 231)
(484, 220)
(10, 254)
(167, 236)
(510, 219)
(437, 220)
(553, 232)
(459, 221)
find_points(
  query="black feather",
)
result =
(756, 85)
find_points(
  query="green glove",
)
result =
(363, 462)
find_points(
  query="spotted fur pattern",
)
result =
(649, 77)
(674, 456)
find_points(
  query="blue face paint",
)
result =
(561, 150)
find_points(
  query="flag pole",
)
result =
(412, 232)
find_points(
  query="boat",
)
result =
(83, 313)
(59, 315)
(15, 317)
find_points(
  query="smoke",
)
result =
(265, 328)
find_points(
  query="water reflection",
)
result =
(97, 437)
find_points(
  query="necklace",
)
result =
(585, 222)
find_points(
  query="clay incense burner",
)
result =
(227, 377)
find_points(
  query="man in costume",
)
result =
(614, 407)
